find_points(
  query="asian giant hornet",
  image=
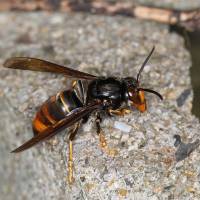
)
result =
(71, 108)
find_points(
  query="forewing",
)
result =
(34, 64)
(66, 122)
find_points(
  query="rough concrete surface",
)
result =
(145, 167)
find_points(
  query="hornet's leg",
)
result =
(70, 159)
(120, 112)
(102, 139)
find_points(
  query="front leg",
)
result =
(119, 112)
(102, 139)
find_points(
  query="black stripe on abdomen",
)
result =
(69, 101)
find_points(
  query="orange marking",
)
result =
(46, 113)
(38, 125)
(141, 96)
(140, 107)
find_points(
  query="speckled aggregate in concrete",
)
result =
(145, 167)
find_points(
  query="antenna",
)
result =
(151, 91)
(144, 63)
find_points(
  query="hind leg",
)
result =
(70, 159)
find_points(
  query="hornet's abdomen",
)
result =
(55, 109)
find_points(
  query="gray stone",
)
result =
(184, 150)
(145, 167)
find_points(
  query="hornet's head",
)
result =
(135, 93)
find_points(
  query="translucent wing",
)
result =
(64, 123)
(34, 64)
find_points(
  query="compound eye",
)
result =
(138, 100)
(130, 94)
(137, 97)
(133, 94)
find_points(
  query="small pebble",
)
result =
(122, 127)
